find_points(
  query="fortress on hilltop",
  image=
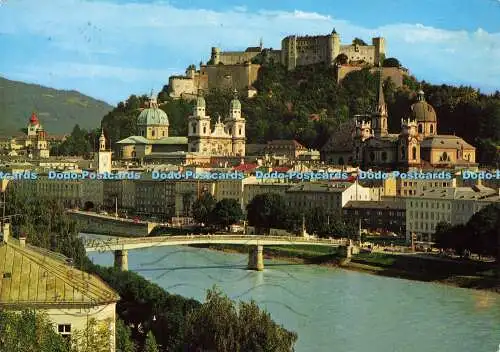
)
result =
(239, 69)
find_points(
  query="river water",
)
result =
(333, 309)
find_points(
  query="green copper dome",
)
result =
(153, 116)
(235, 104)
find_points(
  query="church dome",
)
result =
(34, 119)
(423, 111)
(235, 104)
(153, 116)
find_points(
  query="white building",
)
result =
(35, 278)
(454, 205)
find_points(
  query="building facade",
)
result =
(454, 205)
(227, 138)
(46, 282)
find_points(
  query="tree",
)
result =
(29, 331)
(342, 59)
(358, 41)
(95, 337)
(266, 211)
(443, 235)
(391, 62)
(214, 326)
(123, 339)
(226, 212)
(258, 332)
(202, 208)
(219, 326)
(150, 344)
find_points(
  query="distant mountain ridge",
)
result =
(58, 110)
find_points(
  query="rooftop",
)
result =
(34, 277)
(382, 204)
(142, 140)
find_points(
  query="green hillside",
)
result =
(58, 110)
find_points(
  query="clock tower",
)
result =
(103, 157)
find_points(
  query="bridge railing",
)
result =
(94, 243)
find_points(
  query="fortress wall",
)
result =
(232, 76)
(236, 57)
(365, 53)
(179, 85)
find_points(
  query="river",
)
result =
(333, 309)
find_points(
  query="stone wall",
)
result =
(238, 76)
(99, 224)
(236, 57)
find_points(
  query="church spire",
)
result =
(379, 117)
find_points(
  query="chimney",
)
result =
(6, 232)
(22, 241)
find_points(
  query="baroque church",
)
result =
(153, 143)
(33, 143)
(368, 142)
(226, 139)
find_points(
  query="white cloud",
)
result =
(134, 41)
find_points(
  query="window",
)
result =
(372, 156)
(420, 128)
(193, 128)
(204, 129)
(414, 153)
(384, 156)
(64, 330)
(403, 152)
(240, 131)
(432, 128)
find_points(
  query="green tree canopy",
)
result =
(203, 207)
(218, 325)
(226, 212)
(267, 211)
(150, 344)
(358, 41)
(391, 62)
(29, 331)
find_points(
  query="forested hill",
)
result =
(307, 104)
(59, 110)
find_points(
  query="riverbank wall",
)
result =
(458, 273)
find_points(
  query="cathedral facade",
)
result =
(418, 144)
(225, 139)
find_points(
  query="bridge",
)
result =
(121, 245)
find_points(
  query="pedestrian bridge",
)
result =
(121, 245)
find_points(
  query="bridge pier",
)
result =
(121, 259)
(256, 258)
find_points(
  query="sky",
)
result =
(112, 49)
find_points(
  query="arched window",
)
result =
(240, 131)
(445, 157)
(152, 133)
(419, 128)
(163, 133)
(414, 153)
(204, 129)
(230, 130)
(193, 127)
(432, 128)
